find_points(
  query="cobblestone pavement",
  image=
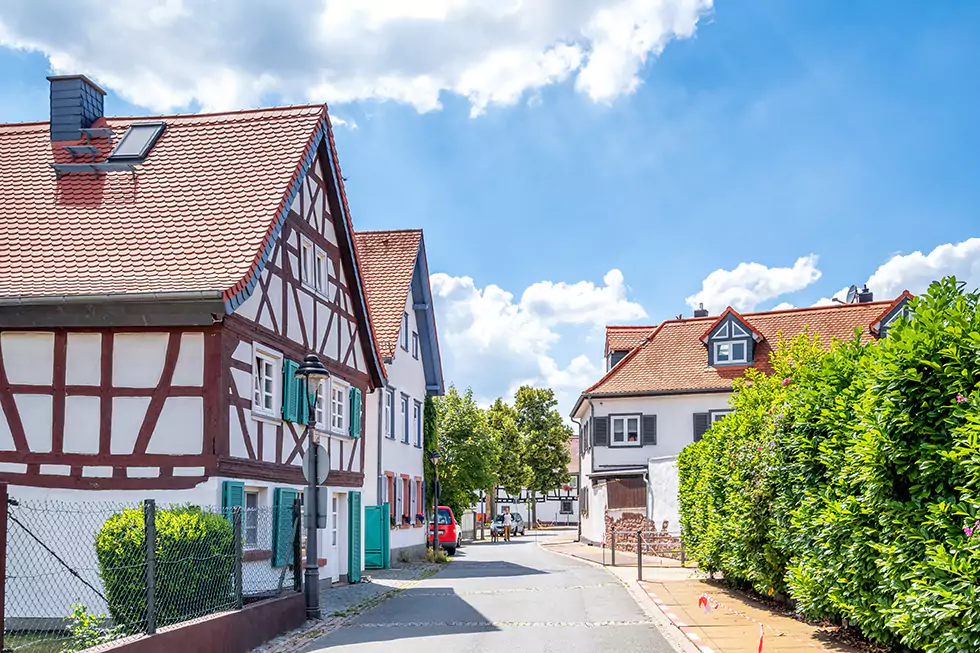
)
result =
(340, 605)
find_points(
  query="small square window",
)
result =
(626, 430)
(321, 406)
(338, 407)
(266, 381)
(738, 351)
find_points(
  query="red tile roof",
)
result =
(387, 261)
(876, 323)
(741, 318)
(675, 359)
(195, 216)
(625, 338)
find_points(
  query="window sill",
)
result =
(629, 445)
(268, 419)
(256, 555)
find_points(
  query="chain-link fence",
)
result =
(80, 575)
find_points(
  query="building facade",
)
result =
(666, 384)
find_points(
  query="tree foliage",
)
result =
(848, 479)
(470, 452)
(514, 473)
(545, 436)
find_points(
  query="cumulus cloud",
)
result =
(496, 343)
(169, 54)
(749, 284)
(782, 306)
(915, 271)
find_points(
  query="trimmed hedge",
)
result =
(194, 564)
(848, 479)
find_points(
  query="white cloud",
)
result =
(749, 284)
(168, 54)
(839, 296)
(782, 306)
(495, 344)
(915, 271)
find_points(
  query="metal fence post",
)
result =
(237, 529)
(3, 554)
(297, 547)
(612, 544)
(150, 530)
(639, 555)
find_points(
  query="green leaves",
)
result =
(867, 476)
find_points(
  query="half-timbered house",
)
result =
(396, 280)
(161, 279)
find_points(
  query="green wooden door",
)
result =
(373, 537)
(354, 539)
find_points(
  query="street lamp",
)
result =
(312, 372)
(434, 458)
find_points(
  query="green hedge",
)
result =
(848, 480)
(194, 565)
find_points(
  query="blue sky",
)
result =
(840, 131)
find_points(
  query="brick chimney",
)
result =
(700, 311)
(864, 295)
(76, 102)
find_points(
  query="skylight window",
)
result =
(137, 141)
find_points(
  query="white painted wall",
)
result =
(405, 376)
(662, 492)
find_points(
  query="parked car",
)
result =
(517, 524)
(450, 534)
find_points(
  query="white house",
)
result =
(666, 384)
(163, 276)
(396, 278)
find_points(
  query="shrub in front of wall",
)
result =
(194, 565)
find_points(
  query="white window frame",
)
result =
(404, 405)
(415, 345)
(412, 500)
(338, 420)
(562, 510)
(321, 274)
(717, 415)
(417, 422)
(253, 516)
(729, 355)
(334, 518)
(274, 358)
(387, 413)
(625, 421)
(404, 334)
(306, 253)
(321, 409)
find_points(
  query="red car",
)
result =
(450, 534)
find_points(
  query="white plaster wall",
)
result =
(28, 356)
(83, 364)
(190, 360)
(82, 415)
(180, 428)
(662, 491)
(593, 524)
(150, 349)
(675, 426)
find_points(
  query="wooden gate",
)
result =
(377, 549)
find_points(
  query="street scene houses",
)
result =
(666, 384)
(396, 280)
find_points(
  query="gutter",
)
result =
(107, 298)
(646, 393)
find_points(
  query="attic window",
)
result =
(137, 141)
(732, 351)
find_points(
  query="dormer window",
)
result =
(730, 341)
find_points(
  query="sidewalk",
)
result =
(734, 622)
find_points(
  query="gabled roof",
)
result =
(673, 360)
(394, 268)
(756, 335)
(194, 217)
(194, 223)
(876, 323)
(625, 338)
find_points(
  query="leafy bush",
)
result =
(194, 565)
(88, 630)
(848, 479)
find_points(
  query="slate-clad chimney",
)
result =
(76, 102)
(865, 295)
(700, 311)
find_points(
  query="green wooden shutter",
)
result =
(282, 525)
(290, 396)
(232, 496)
(355, 412)
(354, 540)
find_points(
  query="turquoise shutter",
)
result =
(354, 537)
(232, 496)
(355, 412)
(290, 393)
(282, 525)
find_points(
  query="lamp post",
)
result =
(434, 458)
(312, 372)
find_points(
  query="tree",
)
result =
(514, 474)
(470, 453)
(546, 438)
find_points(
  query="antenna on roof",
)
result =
(851, 294)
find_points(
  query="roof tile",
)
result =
(387, 261)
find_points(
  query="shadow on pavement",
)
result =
(460, 567)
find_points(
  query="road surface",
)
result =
(505, 597)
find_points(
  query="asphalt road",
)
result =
(509, 596)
